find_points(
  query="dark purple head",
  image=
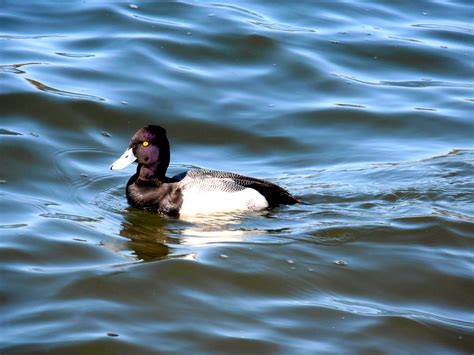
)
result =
(149, 146)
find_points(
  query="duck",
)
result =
(193, 192)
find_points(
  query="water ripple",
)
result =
(7, 132)
(75, 55)
(70, 217)
(238, 9)
(443, 27)
(48, 89)
(14, 68)
(373, 309)
(410, 83)
(281, 27)
(13, 37)
(380, 153)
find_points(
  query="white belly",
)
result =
(196, 201)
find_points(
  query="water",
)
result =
(364, 111)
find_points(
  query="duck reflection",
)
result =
(154, 237)
(217, 228)
(147, 234)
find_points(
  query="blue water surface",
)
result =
(363, 110)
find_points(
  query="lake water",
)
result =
(363, 110)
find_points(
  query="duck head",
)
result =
(149, 147)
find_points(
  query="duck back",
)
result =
(208, 191)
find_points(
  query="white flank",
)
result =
(196, 201)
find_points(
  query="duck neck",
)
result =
(149, 172)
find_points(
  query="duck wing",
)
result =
(211, 180)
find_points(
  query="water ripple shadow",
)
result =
(7, 132)
(350, 105)
(406, 39)
(280, 27)
(374, 309)
(160, 21)
(75, 55)
(48, 89)
(13, 226)
(31, 36)
(407, 83)
(70, 217)
(452, 28)
(238, 9)
(13, 68)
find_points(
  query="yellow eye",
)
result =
(146, 144)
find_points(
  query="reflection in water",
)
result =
(216, 228)
(153, 236)
(148, 238)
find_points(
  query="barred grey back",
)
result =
(211, 180)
